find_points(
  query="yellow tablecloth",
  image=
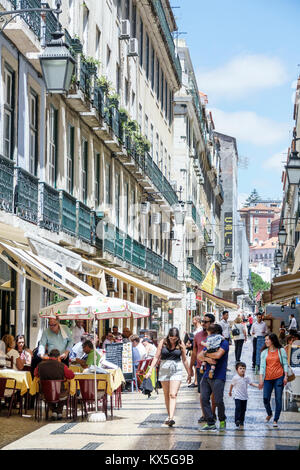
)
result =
(23, 379)
(114, 379)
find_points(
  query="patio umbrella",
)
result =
(95, 307)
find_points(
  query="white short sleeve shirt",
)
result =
(240, 387)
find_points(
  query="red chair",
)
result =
(6, 396)
(118, 397)
(50, 392)
(142, 369)
(87, 396)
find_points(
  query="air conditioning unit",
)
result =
(125, 29)
(145, 207)
(111, 284)
(133, 48)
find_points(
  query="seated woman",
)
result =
(10, 344)
(24, 353)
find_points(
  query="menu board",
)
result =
(121, 355)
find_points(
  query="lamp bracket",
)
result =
(14, 13)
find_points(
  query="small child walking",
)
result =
(239, 386)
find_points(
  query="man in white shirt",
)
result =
(259, 329)
(77, 331)
(293, 322)
(225, 325)
(197, 325)
(136, 343)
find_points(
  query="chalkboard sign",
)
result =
(120, 354)
(295, 356)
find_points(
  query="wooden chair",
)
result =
(6, 396)
(87, 396)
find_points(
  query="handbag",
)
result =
(290, 375)
(235, 331)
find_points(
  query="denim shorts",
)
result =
(170, 370)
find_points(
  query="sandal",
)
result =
(171, 422)
(167, 421)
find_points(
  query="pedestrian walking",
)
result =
(293, 323)
(258, 331)
(250, 323)
(239, 387)
(208, 320)
(273, 375)
(239, 334)
(215, 385)
(225, 325)
(172, 353)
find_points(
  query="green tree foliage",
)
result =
(254, 197)
(258, 284)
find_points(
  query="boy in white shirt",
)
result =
(239, 386)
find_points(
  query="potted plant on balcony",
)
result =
(142, 144)
(113, 100)
(104, 84)
(92, 64)
(76, 45)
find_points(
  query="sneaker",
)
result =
(275, 425)
(208, 427)
(201, 420)
(54, 416)
(241, 426)
(237, 423)
(59, 416)
(222, 426)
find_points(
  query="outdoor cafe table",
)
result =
(114, 378)
(23, 379)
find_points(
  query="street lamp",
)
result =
(179, 214)
(233, 276)
(223, 264)
(282, 235)
(56, 61)
(276, 270)
(293, 165)
(210, 248)
(278, 256)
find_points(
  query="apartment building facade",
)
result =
(79, 170)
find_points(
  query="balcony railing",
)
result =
(49, 205)
(26, 196)
(195, 273)
(6, 184)
(67, 213)
(170, 269)
(83, 228)
(158, 8)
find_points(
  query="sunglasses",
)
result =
(205, 321)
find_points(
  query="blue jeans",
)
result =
(269, 385)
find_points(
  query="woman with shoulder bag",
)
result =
(171, 352)
(273, 375)
(239, 335)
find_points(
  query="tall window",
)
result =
(97, 179)
(117, 198)
(141, 43)
(33, 132)
(126, 206)
(157, 78)
(126, 9)
(152, 140)
(133, 21)
(147, 55)
(157, 149)
(152, 68)
(86, 15)
(98, 43)
(70, 158)
(162, 90)
(8, 118)
(53, 113)
(107, 183)
(132, 213)
(118, 78)
(84, 170)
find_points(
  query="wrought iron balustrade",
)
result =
(83, 228)
(6, 184)
(49, 207)
(26, 195)
(67, 213)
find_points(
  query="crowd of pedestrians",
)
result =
(208, 347)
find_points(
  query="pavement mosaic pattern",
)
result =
(139, 425)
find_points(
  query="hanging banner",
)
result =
(228, 235)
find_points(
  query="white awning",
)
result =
(143, 285)
(45, 272)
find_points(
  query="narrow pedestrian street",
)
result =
(139, 425)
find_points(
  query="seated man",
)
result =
(53, 369)
(136, 343)
(88, 349)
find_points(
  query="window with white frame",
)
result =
(70, 158)
(152, 140)
(84, 170)
(85, 29)
(33, 132)
(117, 198)
(8, 118)
(107, 183)
(53, 113)
(97, 179)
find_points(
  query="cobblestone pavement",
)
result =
(139, 425)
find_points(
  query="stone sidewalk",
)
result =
(139, 425)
